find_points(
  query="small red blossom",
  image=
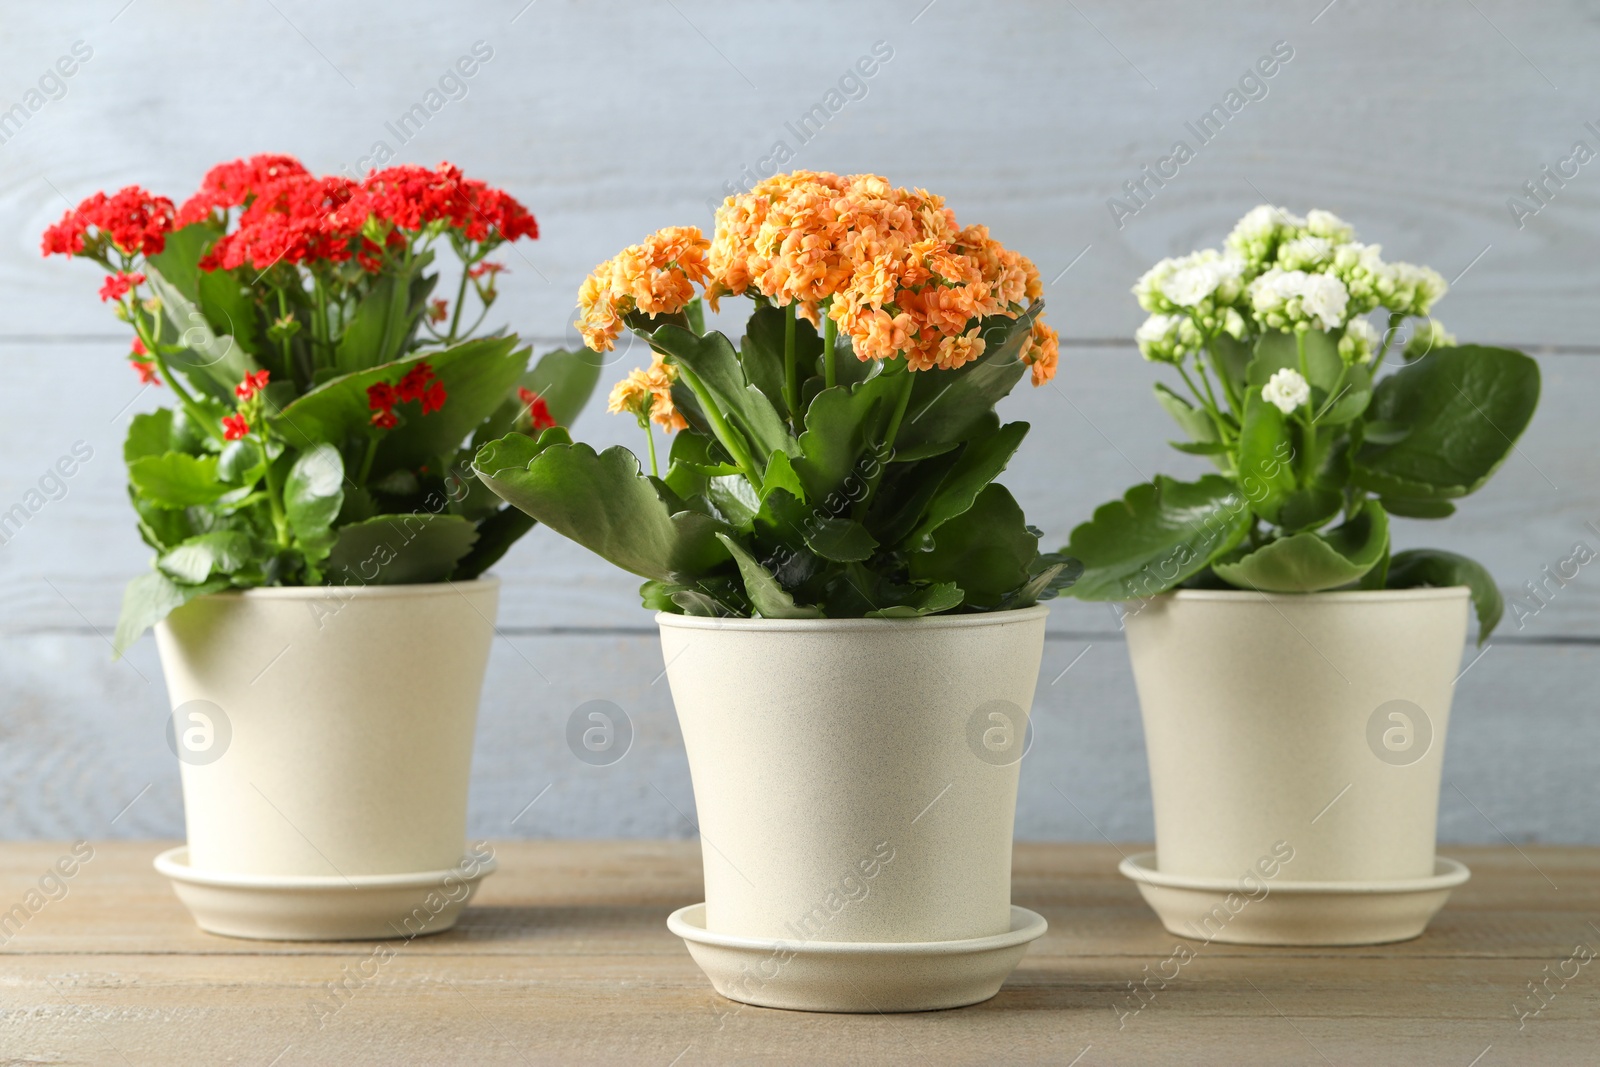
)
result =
(234, 427)
(252, 384)
(385, 420)
(138, 348)
(234, 184)
(438, 310)
(434, 398)
(478, 270)
(147, 371)
(293, 220)
(415, 382)
(117, 285)
(538, 410)
(133, 220)
(380, 396)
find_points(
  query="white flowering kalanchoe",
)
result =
(1327, 225)
(1293, 299)
(1256, 236)
(1286, 390)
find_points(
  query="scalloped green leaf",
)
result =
(1157, 535)
(1310, 562)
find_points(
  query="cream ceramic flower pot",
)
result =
(855, 782)
(325, 740)
(1296, 740)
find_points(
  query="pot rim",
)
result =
(926, 622)
(1342, 596)
(320, 592)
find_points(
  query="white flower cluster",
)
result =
(1280, 272)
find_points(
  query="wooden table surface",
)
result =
(565, 958)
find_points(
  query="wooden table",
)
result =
(565, 958)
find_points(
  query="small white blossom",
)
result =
(1286, 390)
(1430, 335)
(1321, 223)
(1285, 299)
(1415, 289)
(1256, 236)
(1159, 338)
(1305, 253)
(1360, 340)
(1188, 281)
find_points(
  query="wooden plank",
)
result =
(564, 958)
(1420, 146)
(1095, 432)
(83, 751)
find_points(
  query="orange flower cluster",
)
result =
(889, 266)
(649, 393)
(656, 277)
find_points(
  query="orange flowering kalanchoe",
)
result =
(889, 266)
(648, 394)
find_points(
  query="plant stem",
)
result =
(190, 406)
(461, 297)
(889, 436)
(650, 440)
(791, 368)
(830, 375)
(725, 434)
(1209, 405)
(280, 522)
(366, 459)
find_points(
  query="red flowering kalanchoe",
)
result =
(292, 316)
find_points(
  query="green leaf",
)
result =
(1159, 534)
(986, 550)
(379, 329)
(1418, 509)
(839, 539)
(496, 535)
(1433, 567)
(1465, 406)
(314, 491)
(149, 434)
(242, 462)
(770, 600)
(1309, 562)
(214, 363)
(476, 374)
(714, 362)
(929, 600)
(176, 479)
(1190, 419)
(1354, 397)
(1265, 455)
(604, 503)
(1279, 351)
(147, 600)
(1312, 506)
(948, 405)
(565, 379)
(400, 549)
(198, 558)
(735, 498)
(841, 424)
(982, 460)
(761, 352)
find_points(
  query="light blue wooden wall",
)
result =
(1418, 122)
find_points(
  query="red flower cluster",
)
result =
(234, 427)
(411, 197)
(478, 270)
(538, 410)
(438, 310)
(117, 285)
(417, 384)
(134, 221)
(290, 221)
(230, 185)
(252, 384)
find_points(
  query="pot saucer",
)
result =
(846, 976)
(1294, 913)
(323, 908)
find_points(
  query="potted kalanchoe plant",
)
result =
(849, 604)
(318, 591)
(1294, 670)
